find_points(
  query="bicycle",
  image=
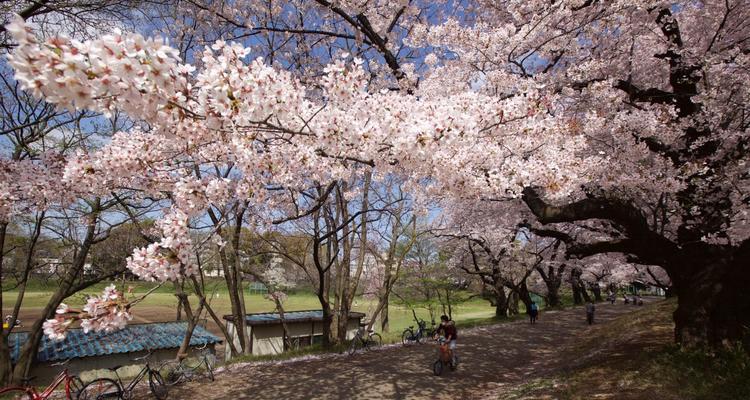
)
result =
(361, 342)
(445, 358)
(409, 336)
(106, 388)
(73, 385)
(178, 371)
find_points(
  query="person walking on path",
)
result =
(590, 312)
(533, 312)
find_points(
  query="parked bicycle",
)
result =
(106, 388)
(411, 336)
(445, 358)
(364, 340)
(186, 369)
(73, 385)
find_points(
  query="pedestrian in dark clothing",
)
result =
(533, 312)
(590, 312)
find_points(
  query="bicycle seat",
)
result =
(27, 379)
(411, 326)
(115, 368)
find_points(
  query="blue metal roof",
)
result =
(289, 316)
(132, 338)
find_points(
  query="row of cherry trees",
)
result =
(611, 127)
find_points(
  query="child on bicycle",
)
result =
(448, 329)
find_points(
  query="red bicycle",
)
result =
(73, 385)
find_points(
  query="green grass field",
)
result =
(161, 304)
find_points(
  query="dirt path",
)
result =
(491, 358)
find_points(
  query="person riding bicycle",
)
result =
(448, 329)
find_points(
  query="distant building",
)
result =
(266, 334)
(370, 262)
(48, 266)
(99, 350)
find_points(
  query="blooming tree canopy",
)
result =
(628, 113)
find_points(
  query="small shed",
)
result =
(265, 332)
(100, 350)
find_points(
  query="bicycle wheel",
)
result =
(407, 337)
(209, 369)
(437, 368)
(100, 389)
(355, 345)
(15, 393)
(374, 341)
(156, 383)
(419, 336)
(76, 384)
(172, 372)
(197, 366)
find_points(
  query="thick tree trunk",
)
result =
(713, 306)
(501, 304)
(597, 291)
(552, 280)
(513, 299)
(580, 295)
(524, 295)
(553, 296)
(577, 298)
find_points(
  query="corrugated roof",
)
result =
(289, 316)
(132, 338)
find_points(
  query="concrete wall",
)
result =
(268, 339)
(232, 332)
(90, 368)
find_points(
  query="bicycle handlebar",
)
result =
(148, 355)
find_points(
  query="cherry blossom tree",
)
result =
(658, 90)
(623, 113)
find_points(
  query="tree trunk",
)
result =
(384, 322)
(525, 296)
(218, 321)
(513, 303)
(501, 303)
(579, 289)
(597, 291)
(552, 280)
(192, 322)
(553, 295)
(713, 305)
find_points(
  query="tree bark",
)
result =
(524, 295)
(552, 280)
(501, 303)
(580, 295)
(513, 303)
(597, 291)
(713, 306)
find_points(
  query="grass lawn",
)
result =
(161, 305)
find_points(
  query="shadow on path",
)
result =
(491, 357)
